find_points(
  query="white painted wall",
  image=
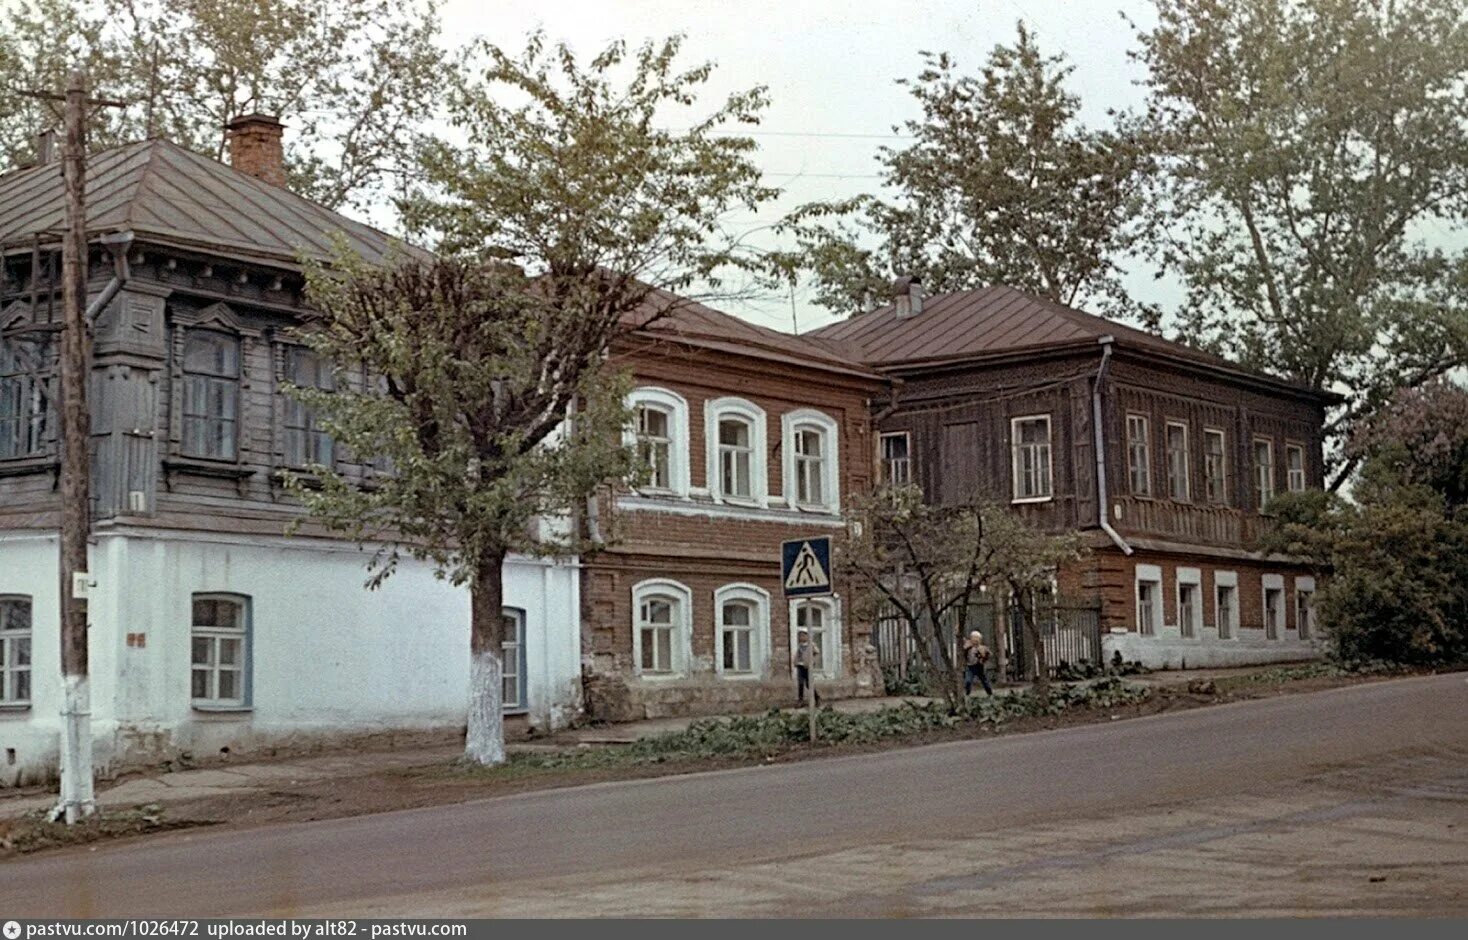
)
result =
(328, 656)
(1169, 649)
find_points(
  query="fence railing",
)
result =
(1070, 631)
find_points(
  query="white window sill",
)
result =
(208, 709)
(661, 676)
(15, 708)
(741, 676)
(1018, 500)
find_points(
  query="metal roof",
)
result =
(997, 320)
(690, 322)
(166, 194)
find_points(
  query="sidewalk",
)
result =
(221, 780)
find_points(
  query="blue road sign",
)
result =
(805, 566)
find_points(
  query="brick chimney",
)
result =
(907, 296)
(255, 147)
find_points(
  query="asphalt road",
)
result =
(916, 803)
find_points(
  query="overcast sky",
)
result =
(831, 67)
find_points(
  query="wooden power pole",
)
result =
(77, 799)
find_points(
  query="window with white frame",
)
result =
(655, 444)
(1149, 599)
(1215, 466)
(1178, 483)
(1189, 601)
(221, 649)
(15, 651)
(659, 433)
(513, 662)
(24, 411)
(896, 455)
(1226, 603)
(661, 611)
(816, 618)
(306, 441)
(743, 613)
(211, 389)
(810, 460)
(1295, 467)
(1305, 607)
(1263, 472)
(1274, 605)
(1030, 445)
(1139, 454)
(737, 458)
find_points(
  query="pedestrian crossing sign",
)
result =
(805, 566)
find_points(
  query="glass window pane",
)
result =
(15, 613)
(229, 685)
(744, 638)
(20, 652)
(203, 651)
(20, 686)
(199, 688)
(737, 614)
(649, 650)
(229, 652)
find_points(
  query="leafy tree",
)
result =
(354, 79)
(1312, 151)
(933, 565)
(566, 219)
(1396, 553)
(1001, 184)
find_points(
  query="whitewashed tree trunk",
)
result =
(484, 742)
(484, 738)
(77, 797)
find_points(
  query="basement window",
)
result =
(220, 641)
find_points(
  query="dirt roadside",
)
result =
(433, 778)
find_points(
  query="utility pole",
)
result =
(77, 798)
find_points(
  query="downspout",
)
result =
(117, 243)
(1103, 503)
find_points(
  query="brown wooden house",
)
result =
(1160, 454)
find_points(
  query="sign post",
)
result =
(805, 571)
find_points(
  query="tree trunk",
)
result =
(1037, 643)
(484, 740)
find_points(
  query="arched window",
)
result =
(23, 406)
(211, 374)
(742, 630)
(660, 628)
(659, 432)
(820, 619)
(15, 651)
(738, 469)
(812, 477)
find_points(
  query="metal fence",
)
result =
(1070, 630)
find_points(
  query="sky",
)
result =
(831, 69)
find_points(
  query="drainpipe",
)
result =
(117, 243)
(1102, 501)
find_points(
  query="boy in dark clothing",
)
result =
(975, 656)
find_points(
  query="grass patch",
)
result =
(1280, 675)
(34, 831)
(756, 737)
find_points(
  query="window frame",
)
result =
(1304, 607)
(1263, 472)
(1221, 497)
(717, 410)
(1168, 426)
(1292, 448)
(10, 640)
(236, 382)
(522, 660)
(792, 424)
(831, 630)
(680, 651)
(1273, 583)
(1190, 578)
(886, 464)
(1018, 451)
(1145, 441)
(244, 633)
(758, 599)
(1150, 575)
(676, 406)
(308, 428)
(1227, 627)
(33, 415)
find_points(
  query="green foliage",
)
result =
(769, 734)
(565, 167)
(1310, 151)
(353, 79)
(1397, 551)
(1001, 184)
